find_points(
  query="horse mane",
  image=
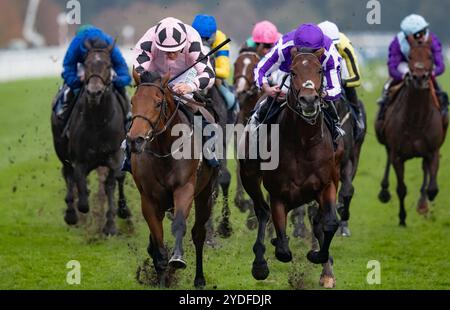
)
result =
(150, 76)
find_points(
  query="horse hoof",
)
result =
(422, 208)
(110, 230)
(224, 230)
(123, 212)
(402, 224)
(261, 271)
(327, 281)
(200, 283)
(317, 257)
(71, 217)
(177, 262)
(83, 208)
(284, 256)
(344, 231)
(384, 196)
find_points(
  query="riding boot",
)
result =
(384, 100)
(352, 98)
(336, 129)
(65, 103)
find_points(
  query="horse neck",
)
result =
(163, 142)
(417, 105)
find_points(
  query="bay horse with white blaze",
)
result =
(308, 170)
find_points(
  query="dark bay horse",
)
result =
(96, 132)
(248, 95)
(413, 127)
(308, 170)
(163, 181)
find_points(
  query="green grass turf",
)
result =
(36, 244)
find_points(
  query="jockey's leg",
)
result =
(442, 96)
(65, 102)
(209, 149)
(336, 129)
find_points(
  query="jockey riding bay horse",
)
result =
(164, 182)
(96, 129)
(247, 94)
(308, 170)
(413, 127)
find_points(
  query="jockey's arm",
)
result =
(332, 75)
(71, 59)
(222, 56)
(142, 57)
(120, 67)
(394, 60)
(439, 62)
(270, 63)
(205, 73)
(347, 51)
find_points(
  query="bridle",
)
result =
(296, 94)
(163, 114)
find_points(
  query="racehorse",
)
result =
(413, 127)
(308, 170)
(164, 182)
(96, 129)
(248, 95)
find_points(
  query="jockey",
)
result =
(350, 73)
(206, 26)
(72, 64)
(417, 27)
(170, 47)
(308, 38)
(264, 36)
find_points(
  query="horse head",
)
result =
(420, 63)
(97, 68)
(151, 109)
(243, 73)
(306, 84)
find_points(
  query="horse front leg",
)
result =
(224, 229)
(345, 197)
(70, 216)
(122, 211)
(399, 167)
(329, 223)
(110, 225)
(182, 198)
(384, 196)
(80, 174)
(281, 243)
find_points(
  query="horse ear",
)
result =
(88, 44)
(165, 80)
(111, 46)
(319, 52)
(294, 52)
(136, 77)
